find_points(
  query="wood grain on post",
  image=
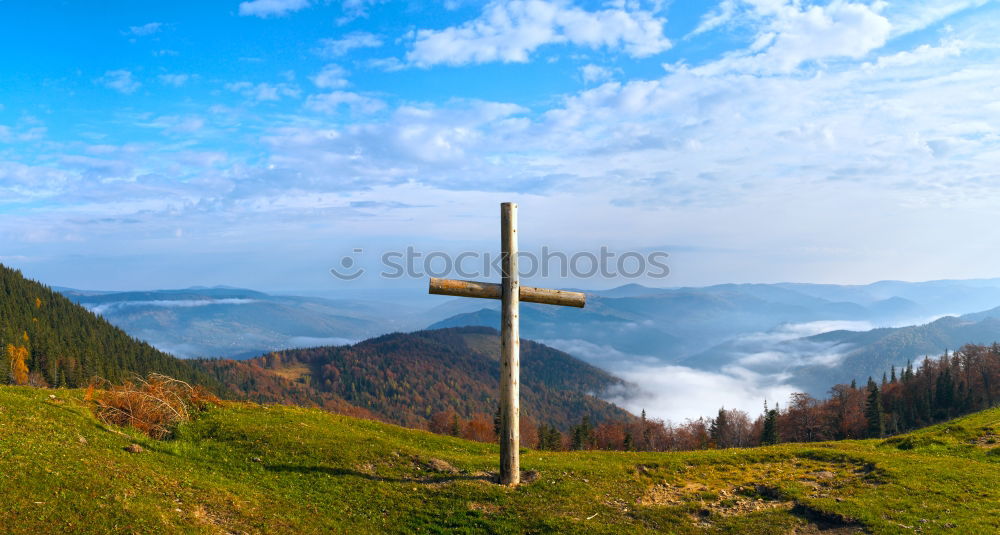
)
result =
(488, 290)
(510, 349)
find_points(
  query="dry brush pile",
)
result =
(154, 405)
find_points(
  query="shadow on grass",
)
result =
(444, 478)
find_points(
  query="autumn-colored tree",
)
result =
(18, 356)
(445, 423)
(611, 436)
(480, 428)
(529, 432)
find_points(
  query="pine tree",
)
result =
(873, 411)
(719, 429)
(769, 433)
(583, 434)
(549, 438)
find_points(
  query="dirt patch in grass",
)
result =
(723, 490)
(485, 508)
(988, 438)
(212, 520)
(440, 466)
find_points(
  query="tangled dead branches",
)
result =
(155, 405)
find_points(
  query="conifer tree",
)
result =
(719, 429)
(583, 434)
(873, 411)
(769, 433)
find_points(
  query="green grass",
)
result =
(252, 469)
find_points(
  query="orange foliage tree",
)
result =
(18, 356)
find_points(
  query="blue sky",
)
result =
(150, 145)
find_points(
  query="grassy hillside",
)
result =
(67, 345)
(406, 378)
(251, 469)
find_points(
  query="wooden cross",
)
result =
(510, 292)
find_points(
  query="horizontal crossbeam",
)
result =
(486, 290)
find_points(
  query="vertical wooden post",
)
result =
(510, 350)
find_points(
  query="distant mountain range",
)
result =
(782, 330)
(671, 324)
(234, 322)
(407, 378)
(808, 335)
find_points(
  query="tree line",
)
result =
(933, 391)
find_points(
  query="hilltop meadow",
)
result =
(247, 468)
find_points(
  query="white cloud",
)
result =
(20, 182)
(264, 92)
(120, 80)
(331, 77)
(914, 15)
(145, 29)
(175, 80)
(390, 64)
(102, 308)
(921, 54)
(722, 14)
(790, 34)
(511, 31)
(674, 392)
(354, 9)
(173, 124)
(21, 133)
(269, 8)
(351, 41)
(333, 101)
(595, 73)
(677, 393)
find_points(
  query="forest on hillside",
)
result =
(48, 340)
(409, 378)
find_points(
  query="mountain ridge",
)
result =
(407, 378)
